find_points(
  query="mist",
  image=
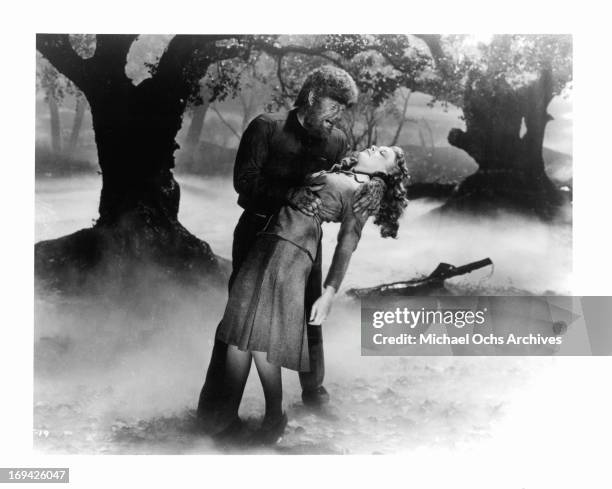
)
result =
(125, 378)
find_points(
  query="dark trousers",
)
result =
(211, 396)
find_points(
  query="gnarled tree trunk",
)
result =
(511, 173)
(137, 231)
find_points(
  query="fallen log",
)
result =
(420, 286)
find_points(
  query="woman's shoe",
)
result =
(269, 433)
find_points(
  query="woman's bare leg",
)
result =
(237, 367)
(270, 376)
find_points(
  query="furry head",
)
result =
(328, 81)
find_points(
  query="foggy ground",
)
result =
(108, 382)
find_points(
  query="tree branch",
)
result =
(277, 51)
(535, 98)
(324, 52)
(227, 124)
(402, 119)
(279, 75)
(110, 56)
(433, 43)
(462, 140)
(182, 50)
(177, 55)
(59, 52)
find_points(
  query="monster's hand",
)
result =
(305, 199)
(369, 196)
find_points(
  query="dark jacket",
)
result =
(275, 154)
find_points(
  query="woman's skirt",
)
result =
(265, 310)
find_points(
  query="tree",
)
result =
(384, 67)
(198, 110)
(79, 114)
(135, 128)
(503, 87)
(56, 87)
(84, 45)
(49, 81)
(212, 155)
(403, 94)
(136, 121)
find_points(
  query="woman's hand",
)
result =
(322, 306)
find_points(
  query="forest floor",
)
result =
(112, 380)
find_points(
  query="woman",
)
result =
(264, 319)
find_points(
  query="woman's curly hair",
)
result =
(394, 199)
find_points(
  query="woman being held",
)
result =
(265, 318)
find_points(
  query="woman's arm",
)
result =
(348, 239)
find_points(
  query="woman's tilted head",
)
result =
(394, 200)
(379, 159)
(388, 164)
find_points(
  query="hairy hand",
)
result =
(368, 196)
(305, 199)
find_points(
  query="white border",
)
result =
(592, 243)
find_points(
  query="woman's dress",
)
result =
(265, 310)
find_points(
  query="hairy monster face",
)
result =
(321, 116)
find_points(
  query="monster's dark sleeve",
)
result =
(250, 179)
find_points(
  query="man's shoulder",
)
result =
(262, 124)
(271, 119)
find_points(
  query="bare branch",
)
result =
(222, 119)
(403, 119)
(279, 74)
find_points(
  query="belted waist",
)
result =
(300, 229)
(309, 252)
